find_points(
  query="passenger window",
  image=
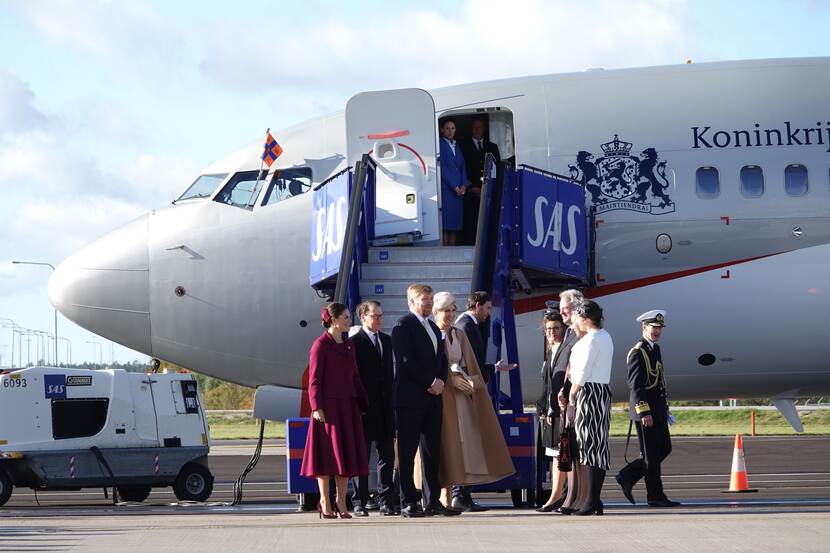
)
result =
(708, 182)
(242, 190)
(203, 187)
(288, 183)
(752, 181)
(795, 180)
(78, 418)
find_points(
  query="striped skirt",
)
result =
(592, 421)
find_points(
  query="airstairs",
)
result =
(389, 271)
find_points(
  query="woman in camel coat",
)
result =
(473, 450)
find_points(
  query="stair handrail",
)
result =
(354, 242)
(481, 251)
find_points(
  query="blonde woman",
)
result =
(473, 450)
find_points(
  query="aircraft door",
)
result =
(397, 127)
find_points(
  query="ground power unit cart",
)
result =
(67, 429)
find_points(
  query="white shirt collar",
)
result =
(422, 319)
(369, 332)
(450, 142)
(649, 342)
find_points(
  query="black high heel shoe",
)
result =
(597, 510)
(322, 514)
(550, 508)
(565, 510)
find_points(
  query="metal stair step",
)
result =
(414, 254)
(403, 271)
(379, 289)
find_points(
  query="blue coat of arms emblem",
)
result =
(619, 180)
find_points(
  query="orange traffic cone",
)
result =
(738, 483)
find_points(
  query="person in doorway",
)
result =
(475, 149)
(454, 184)
(335, 445)
(373, 350)
(649, 409)
(421, 366)
(590, 395)
(473, 450)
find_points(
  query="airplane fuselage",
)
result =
(743, 270)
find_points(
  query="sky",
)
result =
(111, 108)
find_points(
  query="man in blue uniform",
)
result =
(649, 409)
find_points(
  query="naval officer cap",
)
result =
(655, 317)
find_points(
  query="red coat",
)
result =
(338, 446)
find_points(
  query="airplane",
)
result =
(710, 185)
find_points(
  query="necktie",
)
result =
(431, 335)
(377, 343)
(478, 145)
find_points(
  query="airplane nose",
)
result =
(105, 287)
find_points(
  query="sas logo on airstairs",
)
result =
(619, 180)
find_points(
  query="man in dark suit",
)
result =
(649, 409)
(373, 350)
(474, 150)
(421, 371)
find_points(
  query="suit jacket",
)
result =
(417, 364)
(377, 375)
(475, 159)
(553, 382)
(472, 330)
(645, 380)
(333, 373)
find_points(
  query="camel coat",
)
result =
(473, 450)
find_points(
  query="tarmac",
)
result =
(790, 512)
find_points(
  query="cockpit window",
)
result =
(242, 189)
(203, 187)
(288, 183)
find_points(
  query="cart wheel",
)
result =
(5, 487)
(134, 494)
(194, 483)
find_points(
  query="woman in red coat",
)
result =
(335, 445)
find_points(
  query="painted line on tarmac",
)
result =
(764, 474)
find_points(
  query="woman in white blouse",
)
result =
(590, 375)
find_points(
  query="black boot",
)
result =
(596, 478)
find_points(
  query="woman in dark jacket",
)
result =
(548, 406)
(335, 446)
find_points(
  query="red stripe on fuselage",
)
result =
(538, 303)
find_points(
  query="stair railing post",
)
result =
(352, 222)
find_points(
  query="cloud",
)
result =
(17, 108)
(61, 198)
(486, 39)
(125, 34)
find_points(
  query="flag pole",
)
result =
(261, 163)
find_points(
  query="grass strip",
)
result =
(724, 422)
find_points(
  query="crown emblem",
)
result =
(616, 147)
